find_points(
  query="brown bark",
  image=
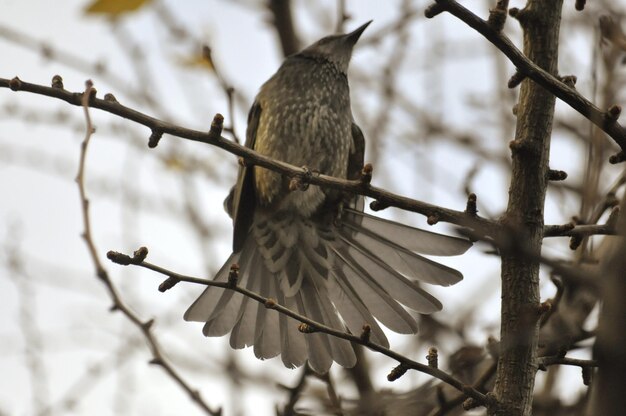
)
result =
(283, 23)
(517, 364)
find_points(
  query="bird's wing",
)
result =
(356, 160)
(357, 153)
(244, 199)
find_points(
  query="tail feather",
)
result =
(351, 308)
(290, 277)
(244, 330)
(202, 309)
(414, 239)
(402, 260)
(396, 285)
(345, 276)
(243, 333)
(383, 307)
(273, 244)
(266, 336)
(318, 348)
(220, 324)
(227, 310)
(341, 350)
(293, 344)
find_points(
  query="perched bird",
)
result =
(314, 250)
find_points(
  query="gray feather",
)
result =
(293, 344)
(383, 307)
(243, 331)
(318, 348)
(402, 260)
(398, 286)
(203, 307)
(352, 309)
(411, 238)
(317, 291)
(267, 335)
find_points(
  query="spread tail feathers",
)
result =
(343, 276)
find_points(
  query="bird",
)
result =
(315, 250)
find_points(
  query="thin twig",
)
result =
(28, 310)
(118, 304)
(295, 392)
(333, 397)
(556, 360)
(313, 326)
(506, 242)
(385, 198)
(480, 383)
(251, 157)
(283, 23)
(342, 16)
(529, 69)
(567, 230)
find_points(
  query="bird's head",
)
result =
(336, 48)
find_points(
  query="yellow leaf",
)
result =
(203, 60)
(115, 7)
(174, 163)
(197, 62)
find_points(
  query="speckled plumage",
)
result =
(306, 121)
(314, 250)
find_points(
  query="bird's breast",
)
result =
(306, 130)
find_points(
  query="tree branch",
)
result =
(118, 303)
(556, 360)
(309, 326)
(579, 231)
(283, 23)
(158, 127)
(605, 120)
(608, 386)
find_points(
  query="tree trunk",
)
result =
(517, 363)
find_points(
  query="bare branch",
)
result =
(118, 303)
(556, 360)
(571, 230)
(159, 127)
(533, 71)
(283, 22)
(307, 325)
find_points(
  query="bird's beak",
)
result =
(356, 34)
